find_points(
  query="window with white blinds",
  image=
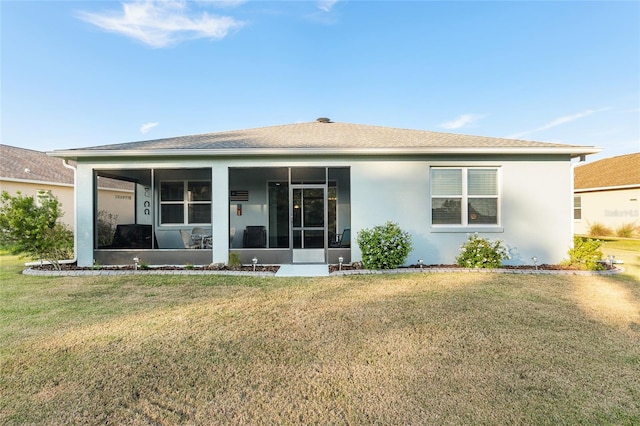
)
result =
(464, 196)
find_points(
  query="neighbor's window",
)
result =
(464, 196)
(577, 208)
(185, 202)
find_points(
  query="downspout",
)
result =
(65, 163)
(582, 159)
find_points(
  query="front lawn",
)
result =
(454, 348)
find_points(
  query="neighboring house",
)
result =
(607, 192)
(32, 172)
(284, 194)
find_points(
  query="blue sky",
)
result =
(78, 73)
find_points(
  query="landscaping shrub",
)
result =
(478, 252)
(600, 230)
(31, 227)
(627, 230)
(384, 246)
(585, 254)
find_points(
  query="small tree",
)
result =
(384, 247)
(31, 228)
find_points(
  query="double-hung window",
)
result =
(465, 196)
(185, 202)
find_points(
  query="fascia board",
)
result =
(607, 188)
(572, 151)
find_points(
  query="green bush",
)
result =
(585, 254)
(479, 252)
(384, 246)
(31, 227)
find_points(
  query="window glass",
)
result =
(483, 211)
(446, 182)
(446, 211)
(482, 182)
(172, 213)
(185, 202)
(172, 191)
(464, 196)
(199, 213)
(577, 208)
(199, 191)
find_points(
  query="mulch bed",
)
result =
(244, 268)
(274, 268)
(543, 267)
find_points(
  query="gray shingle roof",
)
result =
(26, 164)
(20, 164)
(318, 135)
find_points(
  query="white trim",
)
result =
(178, 152)
(608, 188)
(37, 182)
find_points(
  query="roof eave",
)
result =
(573, 151)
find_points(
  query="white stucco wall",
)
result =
(536, 202)
(536, 211)
(613, 208)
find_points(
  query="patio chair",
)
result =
(254, 237)
(201, 238)
(187, 240)
(344, 241)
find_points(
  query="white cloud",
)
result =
(161, 23)
(148, 126)
(326, 5)
(557, 122)
(461, 121)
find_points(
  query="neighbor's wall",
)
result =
(612, 209)
(64, 194)
(536, 206)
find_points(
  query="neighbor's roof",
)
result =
(27, 165)
(615, 172)
(324, 138)
(20, 164)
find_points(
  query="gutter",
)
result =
(257, 151)
(609, 188)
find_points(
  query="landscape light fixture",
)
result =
(420, 263)
(255, 262)
(340, 260)
(136, 261)
(535, 262)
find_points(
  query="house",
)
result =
(606, 192)
(285, 194)
(34, 172)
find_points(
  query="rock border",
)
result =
(119, 272)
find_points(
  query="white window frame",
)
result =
(185, 202)
(464, 225)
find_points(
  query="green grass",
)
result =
(455, 348)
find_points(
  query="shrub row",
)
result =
(387, 247)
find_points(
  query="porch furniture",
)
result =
(187, 240)
(201, 238)
(232, 234)
(132, 236)
(254, 237)
(344, 240)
